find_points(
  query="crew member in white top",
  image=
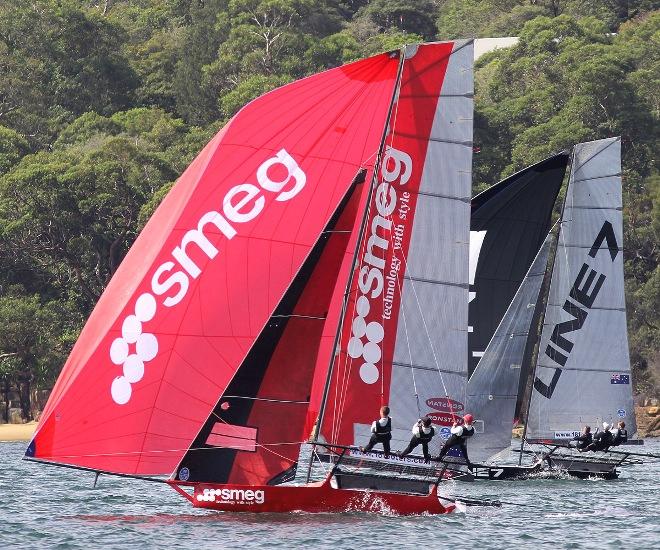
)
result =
(381, 432)
(458, 438)
(422, 432)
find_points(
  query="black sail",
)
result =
(509, 223)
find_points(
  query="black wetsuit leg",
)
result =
(453, 440)
(413, 443)
(463, 447)
(372, 441)
(386, 447)
(425, 450)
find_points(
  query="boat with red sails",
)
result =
(308, 267)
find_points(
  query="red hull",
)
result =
(312, 498)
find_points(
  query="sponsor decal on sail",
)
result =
(582, 295)
(171, 280)
(566, 434)
(441, 419)
(374, 278)
(445, 404)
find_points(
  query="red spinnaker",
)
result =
(206, 273)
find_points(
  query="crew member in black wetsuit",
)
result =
(422, 432)
(381, 432)
(620, 434)
(458, 438)
(584, 439)
(602, 440)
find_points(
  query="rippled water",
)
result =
(48, 507)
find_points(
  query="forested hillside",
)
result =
(104, 103)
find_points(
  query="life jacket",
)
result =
(620, 437)
(384, 432)
(425, 436)
(604, 438)
(583, 440)
(467, 431)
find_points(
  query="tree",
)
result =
(72, 213)
(34, 342)
(410, 17)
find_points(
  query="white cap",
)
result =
(606, 426)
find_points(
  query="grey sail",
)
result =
(583, 369)
(493, 387)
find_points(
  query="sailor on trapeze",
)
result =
(584, 439)
(381, 432)
(458, 438)
(422, 432)
(602, 440)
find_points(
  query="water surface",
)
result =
(49, 507)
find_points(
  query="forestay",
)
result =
(583, 368)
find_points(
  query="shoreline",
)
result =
(17, 432)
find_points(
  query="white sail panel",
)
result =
(583, 367)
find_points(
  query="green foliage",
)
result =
(406, 16)
(104, 103)
(12, 147)
(34, 342)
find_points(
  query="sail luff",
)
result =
(360, 235)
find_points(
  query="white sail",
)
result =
(583, 369)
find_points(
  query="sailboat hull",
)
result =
(312, 498)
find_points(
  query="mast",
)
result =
(533, 344)
(363, 225)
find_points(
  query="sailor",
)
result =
(458, 437)
(602, 440)
(422, 432)
(381, 432)
(620, 434)
(584, 439)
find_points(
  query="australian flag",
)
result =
(620, 379)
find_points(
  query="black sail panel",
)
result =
(509, 223)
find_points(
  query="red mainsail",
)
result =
(403, 338)
(206, 274)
